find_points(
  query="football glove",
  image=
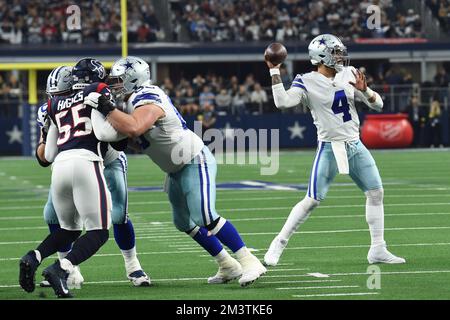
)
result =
(105, 105)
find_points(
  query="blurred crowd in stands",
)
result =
(10, 93)
(281, 20)
(45, 21)
(208, 96)
(441, 10)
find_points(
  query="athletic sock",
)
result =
(56, 240)
(87, 245)
(228, 235)
(62, 255)
(375, 216)
(131, 261)
(375, 220)
(298, 215)
(124, 235)
(53, 227)
(209, 243)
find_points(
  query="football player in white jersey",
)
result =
(59, 82)
(330, 94)
(154, 123)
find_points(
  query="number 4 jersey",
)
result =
(332, 103)
(73, 121)
(170, 143)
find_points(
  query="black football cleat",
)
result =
(27, 274)
(57, 277)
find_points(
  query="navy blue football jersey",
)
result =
(73, 120)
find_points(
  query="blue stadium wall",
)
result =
(295, 130)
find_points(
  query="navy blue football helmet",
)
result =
(87, 71)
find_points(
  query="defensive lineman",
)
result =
(60, 82)
(154, 122)
(79, 191)
(330, 93)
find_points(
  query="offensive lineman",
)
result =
(329, 93)
(79, 192)
(60, 82)
(155, 124)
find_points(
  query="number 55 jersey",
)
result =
(73, 121)
(332, 103)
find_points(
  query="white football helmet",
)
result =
(329, 50)
(42, 117)
(127, 74)
(59, 81)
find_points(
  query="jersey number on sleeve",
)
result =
(340, 105)
(65, 129)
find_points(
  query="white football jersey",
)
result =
(170, 144)
(332, 103)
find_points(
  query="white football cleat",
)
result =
(379, 254)
(252, 269)
(75, 279)
(273, 255)
(229, 270)
(139, 279)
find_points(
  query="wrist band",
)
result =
(368, 93)
(274, 71)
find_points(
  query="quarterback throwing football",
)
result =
(330, 93)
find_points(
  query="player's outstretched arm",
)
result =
(40, 150)
(103, 129)
(282, 98)
(51, 148)
(140, 121)
(371, 98)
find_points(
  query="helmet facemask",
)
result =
(116, 84)
(339, 58)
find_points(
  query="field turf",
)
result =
(333, 242)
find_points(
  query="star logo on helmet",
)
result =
(128, 65)
(322, 41)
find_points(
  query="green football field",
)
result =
(326, 259)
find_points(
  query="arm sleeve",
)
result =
(377, 105)
(287, 99)
(51, 148)
(103, 129)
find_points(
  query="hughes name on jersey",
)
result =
(170, 144)
(73, 120)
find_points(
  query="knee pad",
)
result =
(192, 232)
(375, 197)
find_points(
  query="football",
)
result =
(275, 53)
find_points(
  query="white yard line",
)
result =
(317, 216)
(335, 294)
(299, 281)
(265, 276)
(199, 250)
(316, 287)
(181, 236)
